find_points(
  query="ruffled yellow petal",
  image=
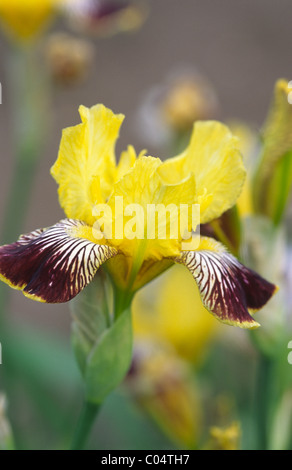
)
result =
(127, 160)
(86, 169)
(214, 158)
(140, 191)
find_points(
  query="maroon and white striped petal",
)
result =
(53, 265)
(228, 289)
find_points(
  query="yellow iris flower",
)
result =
(24, 19)
(55, 264)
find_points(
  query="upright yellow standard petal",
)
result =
(127, 160)
(85, 168)
(146, 234)
(213, 156)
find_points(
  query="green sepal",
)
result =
(102, 342)
(90, 319)
(110, 359)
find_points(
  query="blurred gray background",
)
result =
(241, 46)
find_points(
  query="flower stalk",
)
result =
(263, 400)
(91, 406)
(28, 96)
(122, 300)
(86, 421)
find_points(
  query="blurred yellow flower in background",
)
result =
(172, 334)
(24, 19)
(248, 142)
(170, 108)
(68, 58)
(188, 99)
(163, 386)
(180, 321)
(227, 438)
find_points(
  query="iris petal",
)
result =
(213, 156)
(228, 289)
(86, 167)
(53, 265)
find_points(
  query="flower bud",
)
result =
(68, 58)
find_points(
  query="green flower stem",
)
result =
(263, 400)
(28, 100)
(27, 97)
(18, 199)
(221, 235)
(104, 356)
(122, 301)
(86, 421)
